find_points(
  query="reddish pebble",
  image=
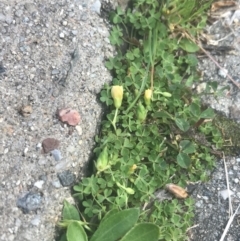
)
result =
(49, 144)
(69, 116)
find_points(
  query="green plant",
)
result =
(155, 130)
(116, 225)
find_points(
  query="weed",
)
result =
(154, 133)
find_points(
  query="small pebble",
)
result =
(25, 151)
(199, 203)
(96, 7)
(223, 72)
(79, 130)
(67, 178)
(36, 221)
(56, 184)
(39, 146)
(55, 71)
(29, 202)
(39, 184)
(64, 23)
(49, 144)
(61, 35)
(225, 193)
(236, 180)
(56, 154)
(69, 116)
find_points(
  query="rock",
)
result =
(56, 154)
(39, 184)
(223, 72)
(79, 130)
(61, 35)
(49, 144)
(56, 183)
(36, 221)
(30, 202)
(69, 116)
(67, 178)
(26, 110)
(226, 193)
(2, 69)
(96, 7)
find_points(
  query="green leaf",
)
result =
(75, 232)
(187, 146)
(182, 124)
(195, 109)
(70, 212)
(127, 143)
(116, 225)
(63, 237)
(188, 45)
(142, 232)
(162, 114)
(208, 113)
(110, 213)
(183, 160)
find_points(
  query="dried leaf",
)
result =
(177, 191)
(222, 4)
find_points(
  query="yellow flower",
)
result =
(117, 95)
(148, 96)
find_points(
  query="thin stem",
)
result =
(115, 120)
(140, 91)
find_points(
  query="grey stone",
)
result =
(96, 7)
(55, 71)
(67, 178)
(30, 202)
(56, 154)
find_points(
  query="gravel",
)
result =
(211, 210)
(52, 56)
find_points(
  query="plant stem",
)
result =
(115, 120)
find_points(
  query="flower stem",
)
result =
(114, 120)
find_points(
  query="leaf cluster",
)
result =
(170, 141)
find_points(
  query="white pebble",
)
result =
(61, 35)
(39, 184)
(79, 130)
(223, 72)
(225, 193)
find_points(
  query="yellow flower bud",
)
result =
(102, 161)
(132, 168)
(127, 189)
(117, 95)
(141, 112)
(166, 94)
(148, 96)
